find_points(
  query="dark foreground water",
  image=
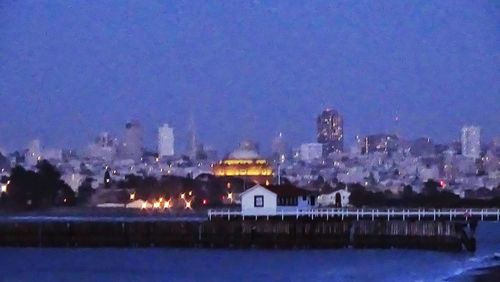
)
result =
(32, 264)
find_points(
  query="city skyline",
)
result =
(69, 72)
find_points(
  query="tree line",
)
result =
(43, 188)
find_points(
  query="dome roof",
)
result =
(244, 154)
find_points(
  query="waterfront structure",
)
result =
(165, 141)
(339, 198)
(471, 141)
(384, 143)
(311, 151)
(245, 163)
(133, 142)
(330, 131)
(271, 200)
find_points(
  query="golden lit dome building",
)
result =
(245, 163)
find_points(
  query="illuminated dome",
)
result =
(243, 154)
(245, 163)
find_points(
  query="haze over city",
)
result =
(71, 69)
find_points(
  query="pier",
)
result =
(359, 214)
(446, 229)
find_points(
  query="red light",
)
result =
(442, 183)
(205, 201)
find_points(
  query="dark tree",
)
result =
(85, 191)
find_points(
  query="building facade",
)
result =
(133, 143)
(471, 141)
(383, 143)
(311, 151)
(165, 141)
(330, 131)
(104, 147)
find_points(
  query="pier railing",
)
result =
(364, 214)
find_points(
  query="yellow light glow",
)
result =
(4, 188)
(183, 196)
(167, 205)
(144, 205)
(188, 204)
(190, 193)
(156, 205)
(132, 196)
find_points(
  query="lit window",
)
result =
(258, 201)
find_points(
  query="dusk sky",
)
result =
(246, 69)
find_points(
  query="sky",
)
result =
(246, 69)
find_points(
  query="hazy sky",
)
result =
(247, 69)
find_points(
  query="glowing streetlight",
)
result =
(183, 196)
(188, 204)
(167, 205)
(190, 193)
(132, 196)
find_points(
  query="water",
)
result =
(32, 264)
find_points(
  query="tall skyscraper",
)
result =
(191, 145)
(279, 145)
(165, 141)
(330, 132)
(133, 142)
(471, 141)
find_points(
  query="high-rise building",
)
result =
(34, 153)
(165, 141)
(104, 147)
(279, 145)
(471, 141)
(330, 131)
(191, 145)
(133, 143)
